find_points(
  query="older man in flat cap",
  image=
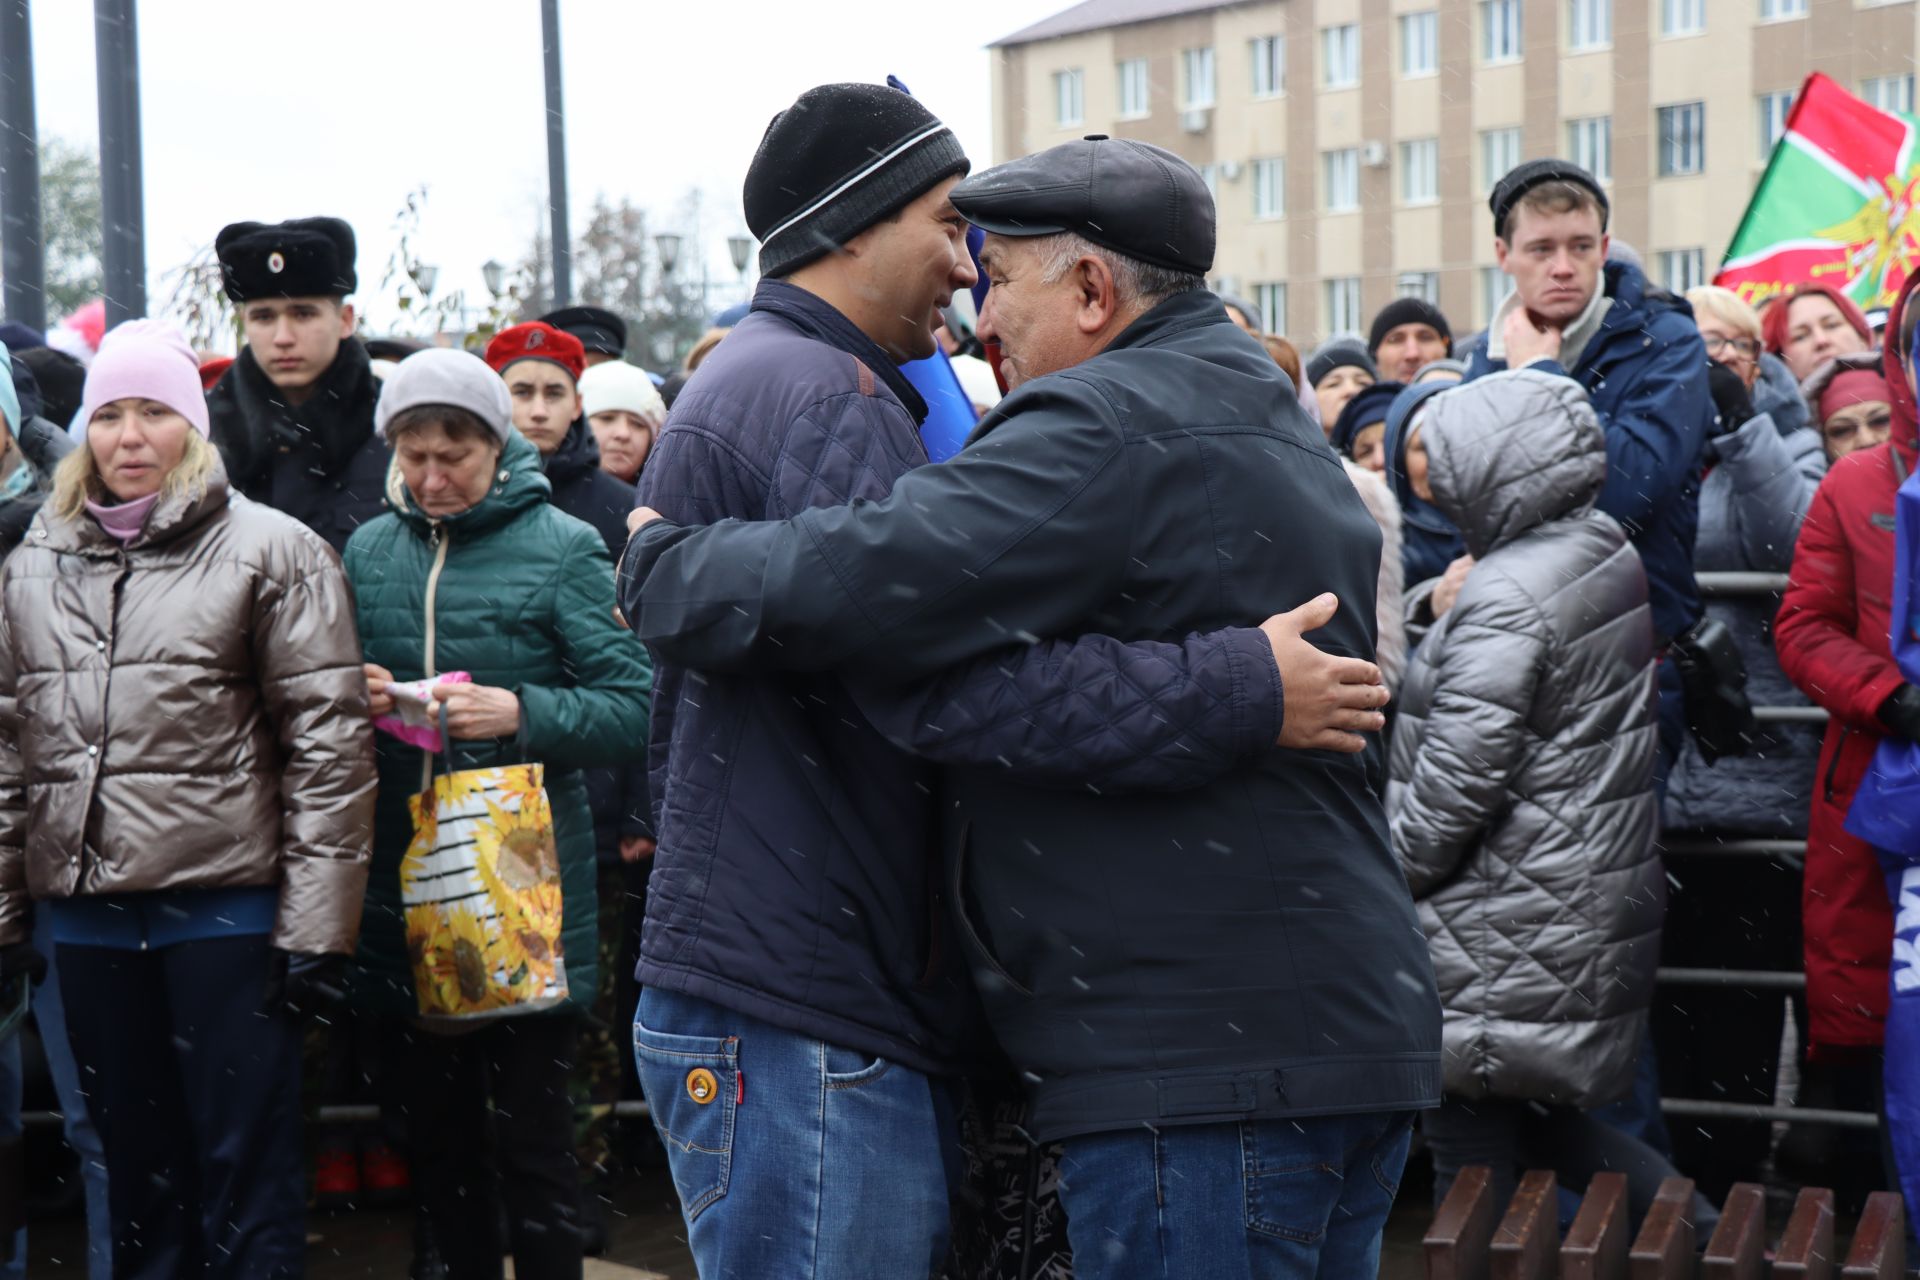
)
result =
(1218, 997)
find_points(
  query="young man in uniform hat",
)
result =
(293, 417)
(602, 334)
(1218, 997)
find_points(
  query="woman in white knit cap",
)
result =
(625, 412)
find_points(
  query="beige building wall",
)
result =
(1390, 244)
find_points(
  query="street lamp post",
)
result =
(495, 277)
(667, 245)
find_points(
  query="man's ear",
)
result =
(346, 320)
(1500, 252)
(1099, 300)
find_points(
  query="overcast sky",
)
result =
(255, 110)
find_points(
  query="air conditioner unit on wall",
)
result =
(1374, 155)
(1195, 119)
(1230, 171)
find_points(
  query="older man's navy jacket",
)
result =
(1241, 948)
(797, 877)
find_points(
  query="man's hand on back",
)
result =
(1328, 701)
(1526, 341)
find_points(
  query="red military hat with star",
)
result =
(536, 341)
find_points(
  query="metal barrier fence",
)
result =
(1792, 853)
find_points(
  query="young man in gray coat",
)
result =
(1217, 994)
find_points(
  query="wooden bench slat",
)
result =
(1457, 1244)
(1736, 1250)
(1664, 1249)
(1806, 1250)
(1879, 1250)
(1596, 1244)
(1524, 1244)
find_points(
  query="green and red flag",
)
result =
(1836, 206)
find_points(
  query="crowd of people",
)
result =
(1098, 853)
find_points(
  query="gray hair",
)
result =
(1133, 281)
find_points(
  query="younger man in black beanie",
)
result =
(1408, 335)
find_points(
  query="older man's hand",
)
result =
(1328, 701)
(639, 518)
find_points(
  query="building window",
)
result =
(1272, 301)
(1773, 119)
(1683, 269)
(1269, 188)
(1343, 180)
(1777, 10)
(1683, 17)
(1590, 24)
(1069, 101)
(1199, 78)
(1343, 305)
(1683, 139)
(1419, 43)
(1889, 93)
(1500, 35)
(1210, 174)
(1269, 66)
(1424, 285)
(1590, 144)
(1340, 56)
(1420, 171)
(1494, 286)
(1133, 88)
(1499, 153)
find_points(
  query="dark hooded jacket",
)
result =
(1428, 540)
(618, 797)
(320, 462)
(1645, 371)
(1522, 800)
(42, 445)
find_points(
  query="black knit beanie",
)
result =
(1338, 355)
(837, 161)
(1406, 311)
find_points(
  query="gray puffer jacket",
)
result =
(1760, 479)
(1522, 803)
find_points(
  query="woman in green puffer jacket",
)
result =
(473, 571)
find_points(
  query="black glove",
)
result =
(19, 959)
(1731, 399)
(301, 983)
(1901, 712)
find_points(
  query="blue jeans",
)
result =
(794, 1157)
(1256, 1200)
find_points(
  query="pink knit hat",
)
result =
(151, 360)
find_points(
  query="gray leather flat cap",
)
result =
(1131, 197)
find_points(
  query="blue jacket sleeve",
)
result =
(1093, 712)
(1655, 426)
(1022, 535)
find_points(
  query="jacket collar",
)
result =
(1170, 316)
(577, 454)
(821, 321)
(175, 517)
(334, 422)
(1574, 339)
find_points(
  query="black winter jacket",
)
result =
(1241, 949)
(618, 797)
(320, 462)
(42, 445)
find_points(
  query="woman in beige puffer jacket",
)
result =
(186, 771)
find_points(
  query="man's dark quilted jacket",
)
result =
(797, 872)
(1245, 948)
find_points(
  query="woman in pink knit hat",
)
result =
(186, 773)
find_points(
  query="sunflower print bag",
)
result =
(481, 886)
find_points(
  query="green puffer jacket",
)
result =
(522, 600)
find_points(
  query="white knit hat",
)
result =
(615, 384)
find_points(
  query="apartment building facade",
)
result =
(1351, 144)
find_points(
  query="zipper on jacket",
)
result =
(440, 541)
(1833, 765)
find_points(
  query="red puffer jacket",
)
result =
(1832, 638)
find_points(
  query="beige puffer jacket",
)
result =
(187, 712)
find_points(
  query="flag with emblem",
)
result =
(1836, 205)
